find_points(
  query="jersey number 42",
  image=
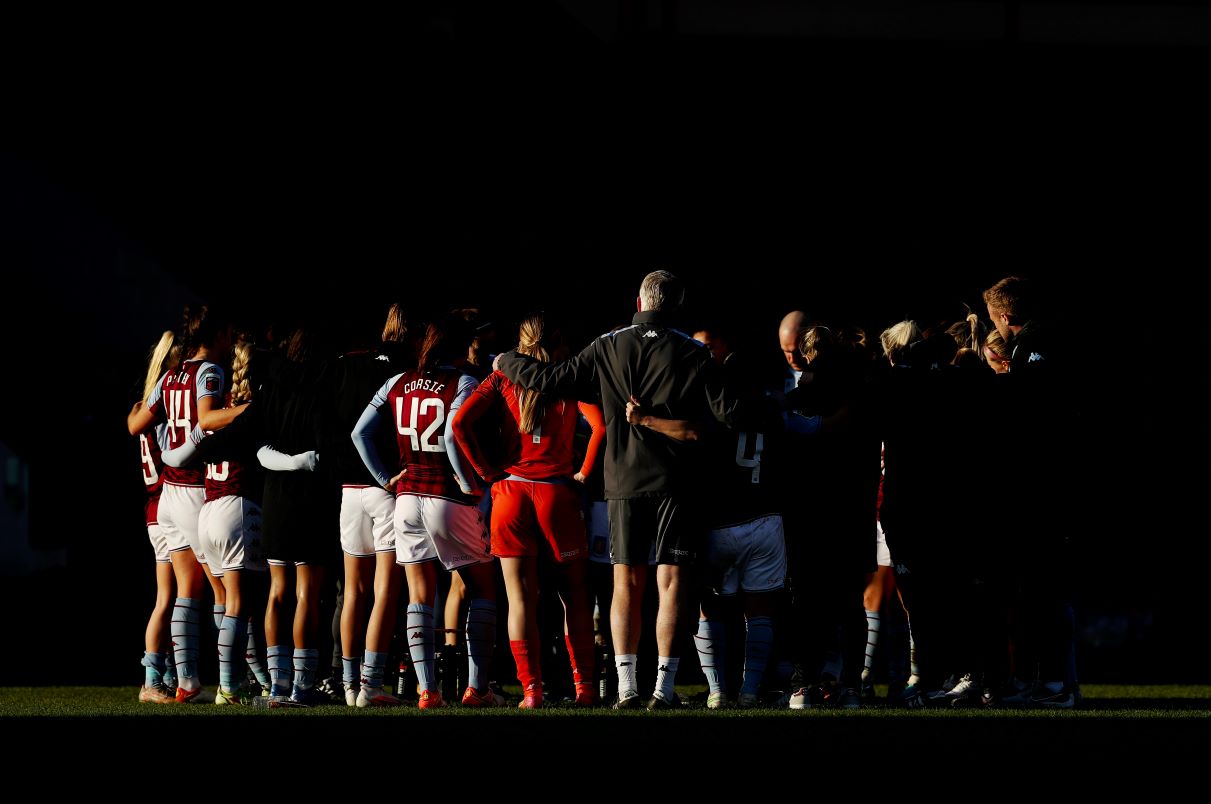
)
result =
(427, 442)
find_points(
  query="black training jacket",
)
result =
(669, 372)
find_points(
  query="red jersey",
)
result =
(232, 479)
(175, 402)
(420, 405)
(153, 467)
(542, 454)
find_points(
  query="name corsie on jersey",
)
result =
(432, 386)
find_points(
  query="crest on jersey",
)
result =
(211, 383)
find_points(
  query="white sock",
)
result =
(665, 675)
(627, 687)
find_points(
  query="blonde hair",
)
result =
(816, 341)
(163, 357)
(530, 338)
(397, 325)
(241, 358)
(896, 338)
(968, 334)
(996, 344)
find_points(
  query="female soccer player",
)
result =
(156, 688)
(536, 506)
(188, 396)
(436, 513)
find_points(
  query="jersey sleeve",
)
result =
(594, 415)
(367, 426)
(573, 377)
(184, 454)
(466, 387)
(211, 381)
(155, 401)
(276, 461)
(485, 396)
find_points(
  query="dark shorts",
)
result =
(301, 518)
(670, 522)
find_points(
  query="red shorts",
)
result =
(525, 513)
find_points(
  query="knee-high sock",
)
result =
(521, 657)
(186, 636)
(306, 664)
(255, 649)
(233, 641)
(873, 624)
(218, 611)
(481, 633)
(420, 644)
(710, 645)
(154, 665)
(353, 672)
(373, 668)
(280, 670)
(582, 653)
(757, 645)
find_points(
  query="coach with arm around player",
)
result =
(650, 479)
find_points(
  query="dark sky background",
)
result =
(284, 189)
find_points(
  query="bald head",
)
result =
(794, 324)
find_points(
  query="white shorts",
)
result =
(231, 535)
(749, 557)
(158, 544)
(882, 552)
(367, 521)
(431, 527)
(178, 518)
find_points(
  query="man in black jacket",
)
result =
(1035, 459)
(650, 479)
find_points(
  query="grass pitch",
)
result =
(1122, 734)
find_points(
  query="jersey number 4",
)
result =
(420, 409)
(753, 461)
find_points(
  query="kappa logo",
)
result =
(651, 333)
(1034, 357)
(383, 358)
(417, 635)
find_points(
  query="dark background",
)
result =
(536, 162)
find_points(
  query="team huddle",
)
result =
(651, 464)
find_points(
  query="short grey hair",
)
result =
(661, 291)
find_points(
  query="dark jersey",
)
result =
(358, 376)
(667, 370)
(746, 467)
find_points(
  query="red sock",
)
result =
(521, 657)
(581, 651)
